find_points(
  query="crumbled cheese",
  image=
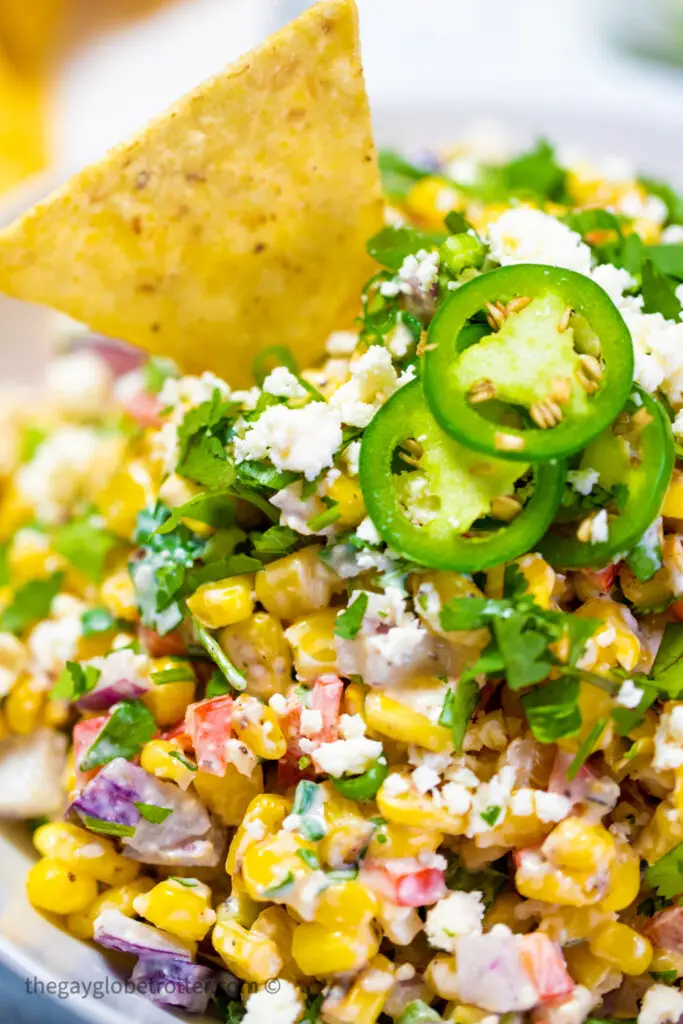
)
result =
(302, 440)
(279, 704)
(629, 695)
(400, 340)
(188, 392)
(460, 913)
(79, 384)
(282, 383)
(368, 532)
(351, 727)
(494, 793)
(418, 273)
(662, 1004)
(395, 785)
(278, 1003)
(583, 480)
(615, 281)
(599, 532)
(62, 466)
(255, 829)
(239, 754)
(634, 204)
(373, 379)
(375, 980)
(346, 757)
(673, 234)
(458, 798)
(352, 458)
(572, 1009)
(669, 739)
(311, 722)
(341, 343)
(123, 664)
(551, 806)
(525, 235)
(53, 642)
(425, 778)
(406, 972)
(295, 512)
(248, 398)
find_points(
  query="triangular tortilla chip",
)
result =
(235, 221)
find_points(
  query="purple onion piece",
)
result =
(175, 983)
(114, 930)
(101, 699)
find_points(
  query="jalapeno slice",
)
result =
(555, 369)
(634, 458)
(432, 499)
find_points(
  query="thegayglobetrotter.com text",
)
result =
(101, 988)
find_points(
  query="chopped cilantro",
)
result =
(586, 748)
(488, 881)
(309, 858)
(275, 541)
(458, 708)
(129, 726)
(350, 622)
(391, 245)
(303, 762)
(86, 545)
(398, 174)
(667, 669)
(107, 828)
(264, 478)
(552, 710)
(233, 565)
(665, 977)
(74, 681)
(236, 679)
(30, 604)
(217, 685)
(646, 557)
(627, 719)
(659, 292)
(153, 813)
(176, 674)
(181, 759)
(216, 509)
(280, 889)
(97, 620)
(666, 874)
(491, 815)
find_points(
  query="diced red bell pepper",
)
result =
(162, 646)
(326, 698)
(602, 579)
(85, 732)
(543, 962)
(208, 723)
(677, 609)
(414, 886)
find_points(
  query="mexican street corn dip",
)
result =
(355, 696)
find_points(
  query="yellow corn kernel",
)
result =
(118, 597)
(434, 589)
(15, 511)
(272, 864)
(577, 845)
(164, 759)
(584, 967)
(396, 720)
(30, 557)
(296, 585)
(666, 960)
(250, 955)
(431, 199)
(410, 807)
(663, 831)
(257, 725)
(460, 1013)
(24, 705)
(179, 906)
(441, 976)
(344, 904)
(229, 795)
(621, 946)
(544, 882)
(624, 647)
(321, 952)
(13, 660)
(168, 702)
(121, 898)
(365, 1000)
(223, 602)
(313, 645)
(353, 702)
(267, 810)
(52, 886)
(624, 880)
(594, 704)
(258, 648)
(4, 731)
(84, 853)
(279, 926)
(124, 496)
(349, 497)
(540, 578)
(673, 500)
(345, 842)
(573, 924)
(503, 912)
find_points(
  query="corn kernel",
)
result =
(268, 810)
(624, 647)
(279, 926)
(503, 912)
(179, 906)
(441, 976)
(54, 887)
(577, 845)
(417, 810)
(13, 660)
(673, 500)
(229, 795)
(342, 904)
(250, 955)
(124, 496)
(621, 946)
(663, 831)
(24, 705)
(117, 594)
(430, 199)
(624, 880)
(537, 880)
(30, 557)
(84, 853)
(164, 759)
(313, 644)
(353, 701)
(258, 648)
(223, 602)
(168, 702)
(121, 898)
(586, 968)
(271, 867)
(349, 497)
(321, 952)
(294, 586)
(257, 725)
(365, 1000)
(394, 719)
(540, 579)
(391, 840)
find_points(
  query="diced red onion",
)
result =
(114, 930)
(175, 983)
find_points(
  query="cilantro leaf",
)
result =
(391, 245)
(216, 653)
(349, 622)
(275, 541)
(234, 565)
(646, 557)
(107, 828)
(458, 708)
(659, 293)
(264, 478)
(398, 174)
(491, 815)
(536, 171)
(666, 874)
(205, 462)
(217, 685)
(152, 812)
(489, 881)
(30, 604)
(522, 650)
(668, 259)
(97, 620)
(553, 710)
(216, 509)
(667, 670)
(586, 748)
(129, 726)
(456, 222)
(75, 681)
(86, 545)
(627, 719)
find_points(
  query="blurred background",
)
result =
(77, 76)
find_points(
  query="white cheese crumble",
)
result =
(425, 778)
(368, 532)
(54, 479)
(669, 739)
(283, 384)
(352, 458)
(282, 1005)
(400, 340)
(525, 235)
(351, 727)
(673, 235)
(629, 695)
(373, 380)
(347, 757)
(395, 785)
(311, 722)
(583, 480)
(460, 913)
(599, 531)
(341, 343)
(79, 384)
(662, 1004)
(418, 272)
(302, 440)
(279, 704)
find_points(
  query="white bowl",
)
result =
(29, 943)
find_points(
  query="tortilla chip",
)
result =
(236, 220)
